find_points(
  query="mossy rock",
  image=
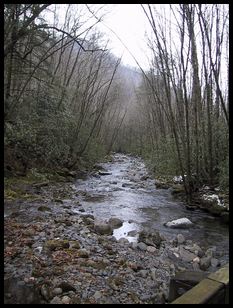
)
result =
(74, 244)
(44, 208)
(13, 194)
(177, 189)
(161, 185)
(57, 244)
(216, 210)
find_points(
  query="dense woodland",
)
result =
(69, 101)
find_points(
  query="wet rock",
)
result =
(115, 222)
(205, 263)
(142, 246)
(83, 253)
(180, 239)
(57, 244)
(177, 189)
(38, 249)
(123, 240)
(161, 185)
(113, 182)
(56, 300)
(197, 250)
(97, 296)
(214, 262)
(134, 266)
(66, 300)
(127, 185)
(143, 273)
(66, 287)
(196, 266)
(151, 249)
(179, 223)
(133, 245)
(45, 292)
(104, 173)
(144, 178)
(210, 252)
(58, 200)
(103, 228)
(44, 208)
(131, 221)
(74, 244)
(67, 206)
(132, 233)
(186, 255)
(196, 260)
(57, 291)
(153, 273)
(150, 238)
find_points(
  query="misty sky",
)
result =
(130, 24)
(126, 20)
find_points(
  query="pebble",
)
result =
(142, 246)
(45, 291)
(153, 273)
(66, 300)
(214, 262)
(151, 249)
(180, 239)
(97, 295)
(197, 260)
(83, 253)
(56, 300)
(57, 291)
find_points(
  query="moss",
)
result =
(57, 244)
(43, 208)
(177, 189)
(17, 193)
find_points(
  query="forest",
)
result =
(70, 103)
(67, 98)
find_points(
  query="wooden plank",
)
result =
(184, 281)
(202, 293)
(222, 275)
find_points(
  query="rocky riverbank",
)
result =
(210, 200)
(60, 248)
(63, 257)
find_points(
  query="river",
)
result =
(128, 193)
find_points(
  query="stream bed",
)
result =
(128, 193)
(53, 252)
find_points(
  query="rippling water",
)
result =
(127, 195)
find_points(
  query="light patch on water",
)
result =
(123, 231)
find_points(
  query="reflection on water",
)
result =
(124, 231)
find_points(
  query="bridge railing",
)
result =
(213, 289)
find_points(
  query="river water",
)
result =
(128, 194)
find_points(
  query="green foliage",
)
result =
(95, 151)
(163, 160)
(224, 174)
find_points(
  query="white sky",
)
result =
(126, 20)
(129, 22)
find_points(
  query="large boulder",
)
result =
(150, 238)
(179, 223)
(115, 222)
(103, 228)
(213, 204)
(186, 255)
